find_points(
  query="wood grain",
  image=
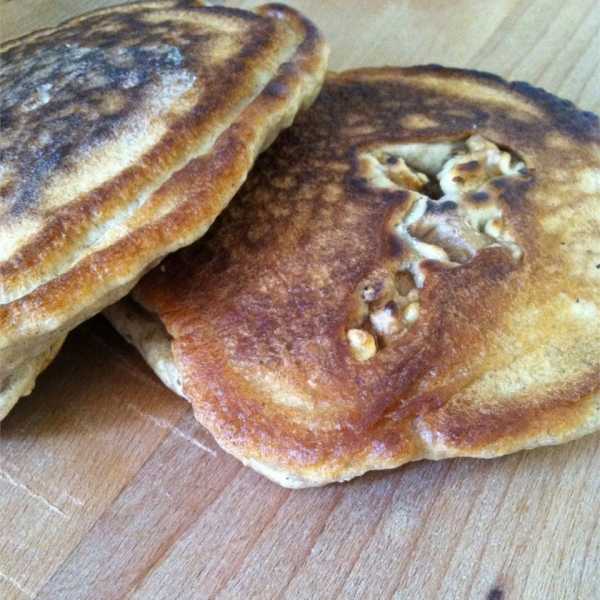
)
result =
(110, 489)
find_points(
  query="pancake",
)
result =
(411, 272)
(124, 133)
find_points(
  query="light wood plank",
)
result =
(69, 450)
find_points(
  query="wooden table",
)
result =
(109, 488)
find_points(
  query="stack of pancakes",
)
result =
(124, 133)
(411, 271)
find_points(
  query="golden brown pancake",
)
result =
(412, 271)
(124, 133)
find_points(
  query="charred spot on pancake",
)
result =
(109, 85)
(479, 196)
(276, 89)
(451, 213)
(469, 167)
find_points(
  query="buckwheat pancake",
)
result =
(412, 271)
(124, 133)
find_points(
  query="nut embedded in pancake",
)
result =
(452, 224)
(473, 304)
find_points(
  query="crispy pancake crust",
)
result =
(125, 132)
(502, 350)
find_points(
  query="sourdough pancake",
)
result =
(124, 133)
(412, 271)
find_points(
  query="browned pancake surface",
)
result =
(124, 133)
(504, 350)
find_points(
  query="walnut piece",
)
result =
(450, 215)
